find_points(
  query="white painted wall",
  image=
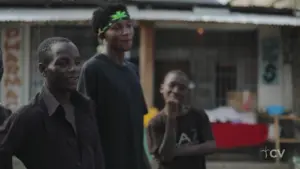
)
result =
(269, 94)
(287, 87)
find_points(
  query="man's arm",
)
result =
(209, 145)
(146, 160)
(11, 133)
(162, 144)
(99, 157)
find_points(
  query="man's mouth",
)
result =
(126, 40)
(73, 78)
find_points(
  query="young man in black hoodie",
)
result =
(114, 85)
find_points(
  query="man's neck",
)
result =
(61, 97)
(116, 56)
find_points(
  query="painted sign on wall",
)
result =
(270, 61)
(11, 82)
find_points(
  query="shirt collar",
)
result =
(50, 100)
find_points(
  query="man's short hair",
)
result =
(177, 72)
(44, 50)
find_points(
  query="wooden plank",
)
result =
(284, 117)
(146, 60)
(277, 137)
(289, 140)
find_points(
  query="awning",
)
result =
(195, 2)
(197, 15)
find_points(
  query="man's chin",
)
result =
(126, 48)
(71, 89)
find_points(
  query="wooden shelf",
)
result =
(289, 140)
(286, 140)
(283, 117)
(279, 140)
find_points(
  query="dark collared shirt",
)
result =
(41, 141)
(52, 104)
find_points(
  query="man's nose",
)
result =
(72, 68)
(175, 89)
(126, 31)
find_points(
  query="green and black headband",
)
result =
(115, 17)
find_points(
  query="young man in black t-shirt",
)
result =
(113, 84)
(179, 136)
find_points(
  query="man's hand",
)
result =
(172, 107)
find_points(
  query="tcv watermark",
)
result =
(273, 153)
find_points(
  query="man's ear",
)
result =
(101, 38)
(161, 88)
(42, 69)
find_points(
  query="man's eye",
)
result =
(78, 62)
(129, 25)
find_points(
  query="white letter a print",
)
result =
(184, 139)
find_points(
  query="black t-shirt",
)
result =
(192, 128)
(120, 107)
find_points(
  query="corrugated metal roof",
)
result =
(205, 15)
(277, 4)
(198, 2)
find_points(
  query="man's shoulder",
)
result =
(198, 113)
(93, 62)
(133, 68)
(132, 65)
(25, 114)
(158, 119)
(81, 98)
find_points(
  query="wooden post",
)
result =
(277, 137)
(146, 60)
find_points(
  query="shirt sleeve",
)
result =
(87, 83)
(99, 156)
(155, 134)
(11, 137)
(136, 72)
(205, 127)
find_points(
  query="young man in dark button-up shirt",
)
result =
(57, 130)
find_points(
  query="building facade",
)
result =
(223, 46)
(220, 49)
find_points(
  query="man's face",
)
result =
(119, 36)
(63, 71)
(175, 86)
